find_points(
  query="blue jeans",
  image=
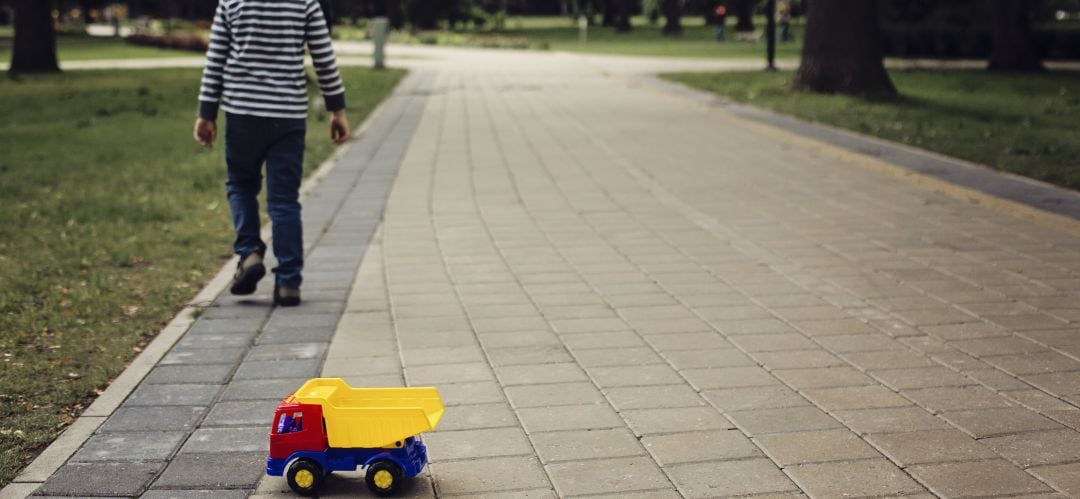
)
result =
(251, 141)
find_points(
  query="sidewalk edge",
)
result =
(75, 435)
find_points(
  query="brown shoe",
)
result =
(248, 272)
(285, 296)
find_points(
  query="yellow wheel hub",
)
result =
(384, 479)
(304, 479)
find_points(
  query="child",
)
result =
(721, 19)
(255, 71)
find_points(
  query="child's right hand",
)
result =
(205, 132)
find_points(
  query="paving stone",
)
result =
(606, 475)
(290, 351)
(728, 377)
(494, 341)
(976, 479)
(686, 341)
(307, 368)
(130, 446)
(197, 374)
(297, 334)
(469, 444)
(860, 343)
(478, 416)
(1038, 448)
(553, 394)
(242, 413)
(624, 356)
(226, 470)
(101, 479)
(828, 377)
(1057, 383)
(766, 397)
(430, 375)
(572, 326)
(790, 419)
(729, 478)
(134, 418)
(486, 475)
(865, 478)
(957, 398)
(528, 355)
(482, 392)
(996, 380)
(251, 439)
(773, 342)
(196, 494)
(260, 389)
(245, 324)
(673, 420)
(855, 397)
(618, 376)
(966, 331)
(816, 446)
(833, 327)
(1004, 345)
(921, 377)
(199, 356)
(1034, 363)
(984, 423)
(540, 374)
(568, 417)
(1063, 477)
(712, 445)
(933, 446)
(798, 359)
(584, 341)
(653, 397)
(753, 326)
(212, 341)
(690, 359)
(585, 444)
(165, 395)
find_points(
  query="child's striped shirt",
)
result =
(255, 64)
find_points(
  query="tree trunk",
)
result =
(622, 16)
(394, 13)
(744, 9)
(35, 40)
(842, 51)
(672, 10)
(1014, 44)
(608, 16)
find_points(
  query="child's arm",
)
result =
(322, 54)
(213, 77)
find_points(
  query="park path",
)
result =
(619, 291)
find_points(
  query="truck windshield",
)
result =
(290, 423)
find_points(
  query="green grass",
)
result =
(111, 218)
(82, 48)
(560, 33)
(1025, 124)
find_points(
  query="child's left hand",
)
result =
(339, 127)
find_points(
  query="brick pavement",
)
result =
(620, 293)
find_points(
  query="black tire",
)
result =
(377, 475)
(305, 477)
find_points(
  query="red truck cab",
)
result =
(297, 427)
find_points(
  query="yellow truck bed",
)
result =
(371, 417)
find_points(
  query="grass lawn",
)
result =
(111, 218)
(82, 48)
(560, 33)
(1025, 124)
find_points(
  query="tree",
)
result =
(1014, 44)
(842, 51)
(672, 10)
(622, 15)
(35, 39)
(744, 10)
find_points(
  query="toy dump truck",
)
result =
(328, 426)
